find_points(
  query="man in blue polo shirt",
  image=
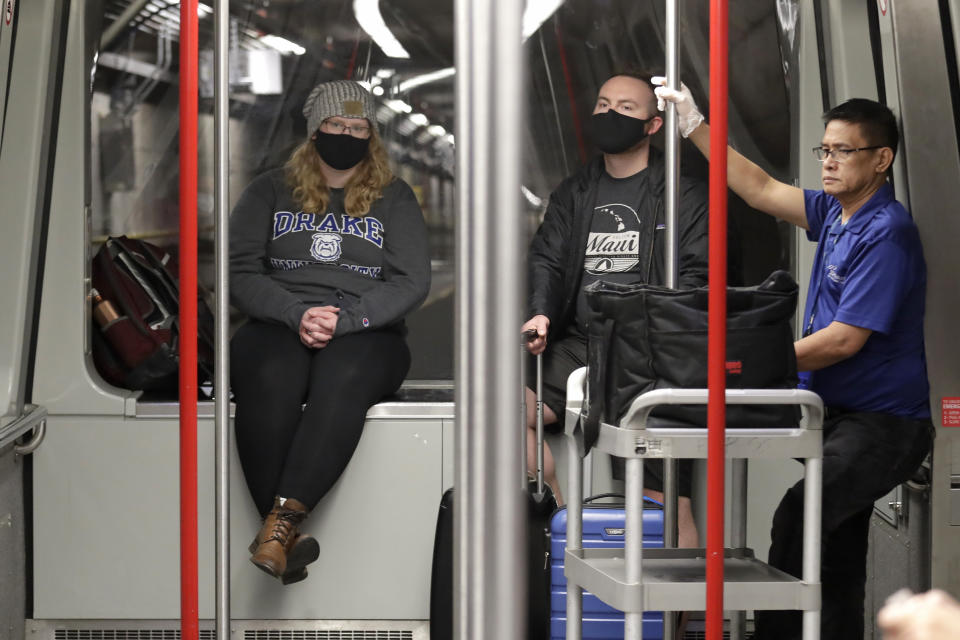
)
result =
(862, 345)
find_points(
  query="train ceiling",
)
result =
(324, 34)
(598, 36)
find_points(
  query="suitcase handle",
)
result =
(601, 496)
(527, 336)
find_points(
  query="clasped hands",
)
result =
(317, 326)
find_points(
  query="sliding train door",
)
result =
(925, 35)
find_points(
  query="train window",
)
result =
(278, 52)
(403, 51)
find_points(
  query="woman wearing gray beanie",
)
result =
(327, 256)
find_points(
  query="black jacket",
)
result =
(558, 249)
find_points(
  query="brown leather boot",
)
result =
(305, 550)
(278, 535)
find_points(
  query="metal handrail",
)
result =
(39, 433)
(189, 531)
(221, 121)
(671, 270)
(717, 306)
(33, 417)
(489, 516)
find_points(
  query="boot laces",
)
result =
(286, 521)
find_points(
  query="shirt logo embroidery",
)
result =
(326, 247)
(288, 265)
(373, 272)
(368, 227)
(833, 275)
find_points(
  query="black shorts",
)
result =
(653, 474)
(561, 358)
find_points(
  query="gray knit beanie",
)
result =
(344, 98)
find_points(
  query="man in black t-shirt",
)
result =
(607, 222)
(614, 243)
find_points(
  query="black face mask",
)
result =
(341, 151)
(614, 132)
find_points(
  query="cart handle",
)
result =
(639, 411)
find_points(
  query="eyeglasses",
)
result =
(356, 130)
(840, 155)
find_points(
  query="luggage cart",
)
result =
(634, 580)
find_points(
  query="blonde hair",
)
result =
(365, 187)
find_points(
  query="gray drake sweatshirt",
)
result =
(283, 260)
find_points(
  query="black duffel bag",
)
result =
(644, 337)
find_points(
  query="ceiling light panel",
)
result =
(536, 13)
(282, 45)
(398, 106)
(367, 13)
(425, 78)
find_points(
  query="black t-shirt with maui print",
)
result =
(615, 250)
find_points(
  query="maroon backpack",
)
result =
(136, 329)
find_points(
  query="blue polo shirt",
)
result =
(870, 273)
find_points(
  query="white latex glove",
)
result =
(688, 117)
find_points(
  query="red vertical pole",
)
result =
(568, 80)
(717, 335)
(189, 607)
(353, 59)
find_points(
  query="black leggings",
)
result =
(294, 453)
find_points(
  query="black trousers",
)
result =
(865, 455)
(300, 411)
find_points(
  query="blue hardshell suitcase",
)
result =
(603, 526)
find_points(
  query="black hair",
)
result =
(877, 122)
